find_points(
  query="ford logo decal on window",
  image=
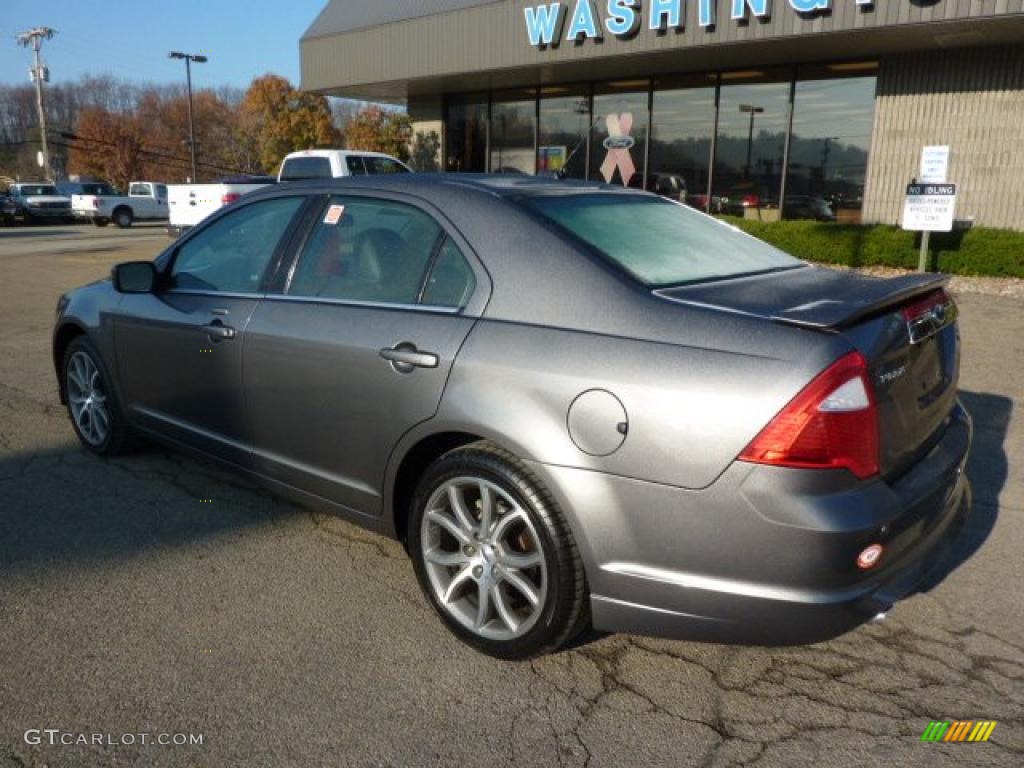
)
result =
(619, 142)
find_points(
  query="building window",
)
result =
(732, 133)
(682, 130)
(513, 132)
(833, 116)
(466, 134)
(619, 141)
(753, 116)
(564, 129)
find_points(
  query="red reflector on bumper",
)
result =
(870, 557)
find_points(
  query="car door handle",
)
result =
(220, 332)
(405, 358)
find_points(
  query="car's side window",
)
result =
(355, 165)
(451, 282)
(139, 190)
(232, 254)
(381, 166)
(367, 250)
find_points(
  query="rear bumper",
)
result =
(766, 555)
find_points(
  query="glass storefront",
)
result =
(466, 134)
(761, 144)
(564, 127)
(682, 133)
(619, 134)
(828, 160)
(513, 129)
(753, 112)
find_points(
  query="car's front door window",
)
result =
(232, 254)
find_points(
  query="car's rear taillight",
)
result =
(229, 198)
(96, 203)
(831, 424)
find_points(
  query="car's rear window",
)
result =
(659, 242)
(299, 168)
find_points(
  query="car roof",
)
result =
(438, 186)
(337, 153)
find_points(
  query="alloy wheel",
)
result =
(484, 559)
(87, 397)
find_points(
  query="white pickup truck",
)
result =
(191, 203)
(145, 201)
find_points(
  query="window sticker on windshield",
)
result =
(334, 214)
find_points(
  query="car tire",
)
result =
(100, 222)
(524, 567)
(123, 218)
(92, 402)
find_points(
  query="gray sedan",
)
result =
(576, 405)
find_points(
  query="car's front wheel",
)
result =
(92, 403)
(494, 555)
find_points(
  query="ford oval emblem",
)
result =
(619, 142)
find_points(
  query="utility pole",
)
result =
(34, 38)
(189, 58)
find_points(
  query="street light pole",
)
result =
(34, 38)
(189, 58)
(754, 111)
(825, 154)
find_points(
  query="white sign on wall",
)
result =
(934, 165)
(930, 208)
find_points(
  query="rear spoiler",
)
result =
(871, 299)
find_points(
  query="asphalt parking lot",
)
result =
(154, 594)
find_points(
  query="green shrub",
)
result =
(976, 251)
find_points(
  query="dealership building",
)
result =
(763, 108)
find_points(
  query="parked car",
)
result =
(8, 209)
(338, 163)
(72, 188)
(574, 403)
(145, 201)
(38, 202)
(190, 204)
(808, 207)
(670, 185)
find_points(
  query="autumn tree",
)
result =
(380, 130)
(108, 146)
(277, 119)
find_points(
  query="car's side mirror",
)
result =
(135, 277)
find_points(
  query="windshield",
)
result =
(32, 190)
(659, 242)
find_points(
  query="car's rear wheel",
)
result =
(92, 403)
(494, 555)
(123, 218)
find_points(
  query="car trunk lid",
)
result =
(905, 327)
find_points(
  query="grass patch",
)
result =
(976, 251)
